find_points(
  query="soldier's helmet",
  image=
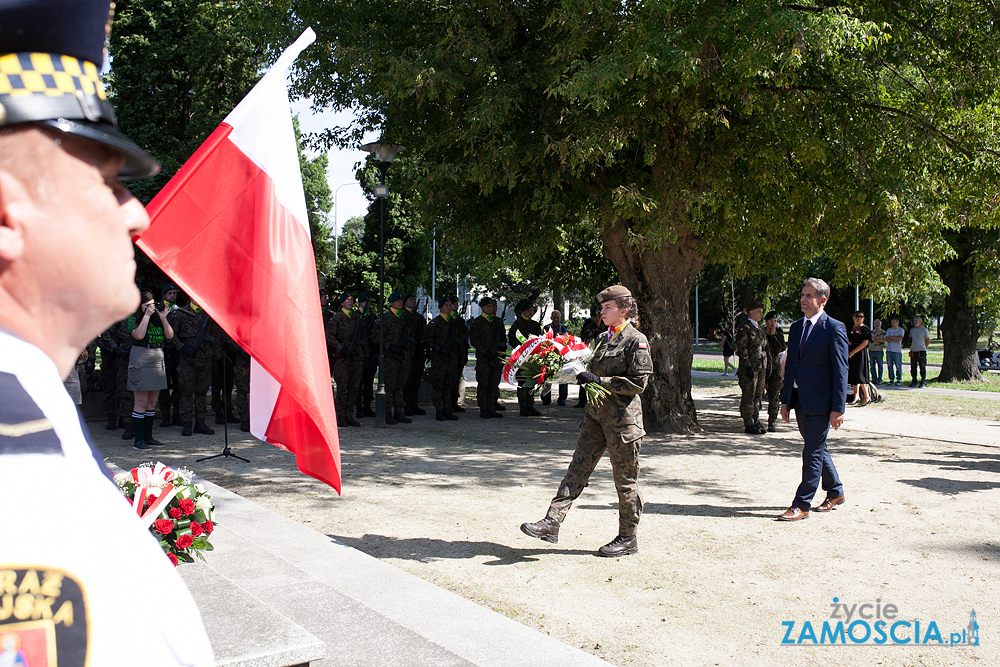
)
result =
(51, 53)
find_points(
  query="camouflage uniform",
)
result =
(527, 328)
(194, 372)
(343, 340)
(418, 358)
(624, 366)
(487, 335)
(119, 338)
(439, 339)
(775, 346)
(751, 348)
(396, 364)
(369, 326)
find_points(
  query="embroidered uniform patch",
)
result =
(43, 617)
(643, 346)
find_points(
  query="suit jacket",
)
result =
(820, 370)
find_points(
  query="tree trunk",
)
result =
(960, 328)
(661, 280)
(558, 301)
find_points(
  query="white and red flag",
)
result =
(231, 229)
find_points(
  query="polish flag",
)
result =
(230, 228)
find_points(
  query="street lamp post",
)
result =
(384, 154)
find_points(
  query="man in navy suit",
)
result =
(815, 387)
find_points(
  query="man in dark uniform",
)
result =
(369, 327)
(343, 339)
(67, 272)
(411, 392)
(108, 344)
(461, 348)
(395, 324)
(592, 328)
(439, 337)
(751, 348)
(528, 328)
(775, 346)
(487, 334)
(621, 364)
(169, 399)
(198, 340)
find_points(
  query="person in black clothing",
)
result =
(528, 328)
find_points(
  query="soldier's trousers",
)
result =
(442, 382)
(170, 398)
(411, 393)
(125, 399)
(109, 384)
(488, 374)
(194, 378)
(773, 391)
(347, 375)
(591, 443)
(364, 400)
(241, 378)
(753, 395)
(395, 370)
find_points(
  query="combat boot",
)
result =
(485, 414)
(112, 423)
(760, 427)
(546, 530)
(771, 428)
(220, 418)
(407, 411)
(450, 416)
(620, 546)
(499, 407)
(417, 410)
(457, 408)
(495, 415)
(186, 429)
(439, 415)
(245, 426)
(201, 427)
(129, 432)
(177, 420)
(351, 421)
(341, 422)
(401, 418)
(389, 421)
(750, 427)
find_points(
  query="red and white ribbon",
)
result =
(154, 483)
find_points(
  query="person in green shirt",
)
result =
(147, 374)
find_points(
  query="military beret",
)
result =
(51, 54)
(754, 306)
(453, 298)
(344, 297)
(395, 296)
(771, 315)
(167, 288)
(523, 306)
(486, 301)
(364, 296)
(443, 301)
(408, 295)
(613, 292)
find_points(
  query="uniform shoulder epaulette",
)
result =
(24, 429)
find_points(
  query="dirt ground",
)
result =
(716, 575)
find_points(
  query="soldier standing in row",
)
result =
(527, 327)
(461, 349)
(439, 337)
(110, 347)
(775, 346)
(198, 338)
(395, 324)
(344, 336)
(592, 328)
(751, 348)
(622, 365)
(411, 393)
(370, 332)
(487, 335)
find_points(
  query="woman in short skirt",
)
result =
(146, 373)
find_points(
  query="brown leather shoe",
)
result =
(547, 529)
(828, 504)
(794, 514)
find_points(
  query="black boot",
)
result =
(186, 429)
(485, 414)
(401, 418)
(450, 416)
(165, 419)
(112, 423)
(771, 428)
(351, 421)
(457, 408)
(129, 432)
(201, 427)
(546, 530)
(439, 415)
(748, 427)
(417, 410)
(341, 422)
(389, 421)
(495, 415)
(220, 418)
(499, 407)
(760, 427)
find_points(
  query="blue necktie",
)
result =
(805, 336)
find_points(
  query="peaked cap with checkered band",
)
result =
(51, 52)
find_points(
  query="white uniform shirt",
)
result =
(80, 578)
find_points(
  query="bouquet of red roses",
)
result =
(177, 511)
(550, 358)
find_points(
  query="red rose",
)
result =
(173, 559)
(187, 506)
(175, 512)
(184, 541)
(196, 528)
(163, 526)
(208, 526)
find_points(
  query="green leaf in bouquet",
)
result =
(184, 557)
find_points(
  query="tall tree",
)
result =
(691, 132)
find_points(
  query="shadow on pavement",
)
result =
(429, 549)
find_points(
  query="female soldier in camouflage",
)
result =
(622, 365)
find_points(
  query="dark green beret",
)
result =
(395, 296)
(772, 315)
(344, 297)
(443, 301)
(408, 295)
(364, 296)
(486, 301)
(523, 306)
